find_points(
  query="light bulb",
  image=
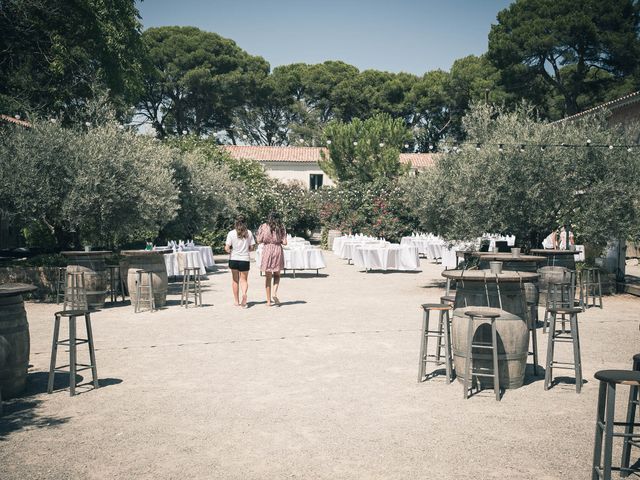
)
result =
(355, 144)
(381, 144)
(328, 142)
(610, 147)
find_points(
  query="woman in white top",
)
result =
(239, 243)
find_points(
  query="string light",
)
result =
(328, 142)
(500, 148)
(522, 148)
(430, 147)
(406, 145)
(477, 147)
(381, 144)
(610, 147)
(355, 144)
(456, 148)
(588, 142)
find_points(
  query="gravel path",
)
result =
(322, 387)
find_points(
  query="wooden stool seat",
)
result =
(448, 298)
(435, 306)
(147, 289)
(605, 423)
(565, 310)
(483, 314)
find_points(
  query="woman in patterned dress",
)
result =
(272, 235)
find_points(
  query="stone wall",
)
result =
(42, 277)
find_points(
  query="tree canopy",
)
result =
(194, 80)
(578, 48)
(56, 56)
(364, 150)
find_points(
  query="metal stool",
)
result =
(72, 342)
(191, 280)
(632, 404)
(564, 336)
(560, 294)
(490, 315)
(75, 294)
(148, 290)
(116, 283)
(590, 288)
(61, 283)
(442, 334)
(605, 421)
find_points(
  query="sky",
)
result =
(412, 36)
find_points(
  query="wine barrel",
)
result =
(93, 266)
(14, 339)
(479, 290)
(150, 261)
(557, 258)
(513, 346)
(551, 275)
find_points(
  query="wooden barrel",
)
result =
(557, 258)
(150, 261)
(550, 274)
(513, 346)
(95, 272)
(14, 339)
(513, 333)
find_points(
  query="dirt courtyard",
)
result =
(321, 387)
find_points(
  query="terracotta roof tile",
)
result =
(309, 154)
(611, 105)
(9, 119)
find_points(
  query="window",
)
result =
(315, 181)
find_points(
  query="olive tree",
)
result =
(518, 175)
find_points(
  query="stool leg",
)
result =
(136, 307)
(152, 296)
(447, 349)
(494, 351)
(198, 289)
(184, 284)
(72, 355)
(628, 430)
(534, 344)
(92, 352)
(111, 285)
(467, 364)
(608, 430)
(599, 289)
(54, 352)
(423, 345)
(545, 320)
(121, 286)
(548, 374)
(575, 335)
(597, 444)
(440, 337)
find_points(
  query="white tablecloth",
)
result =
(339, 242)
(391, 257)
(348, 248)
(190, 259)
(206, 253)
(299, 258)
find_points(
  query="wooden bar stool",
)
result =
(605, 422)
(564, 336)
(75, 293)
(469, 372)
(443, 340)
(147, 289)
(560, 294)
(590, 288)
(61, 283)
(72, 342)
(116, 283)
(191, 284)
(632, 405)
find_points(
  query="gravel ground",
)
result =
(322, 387)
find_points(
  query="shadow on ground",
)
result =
(23, 412)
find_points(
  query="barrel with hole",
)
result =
(149, 261)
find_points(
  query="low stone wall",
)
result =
(44, 278)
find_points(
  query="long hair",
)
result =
(275, 224)
(241, 227)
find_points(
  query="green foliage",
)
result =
(103, 186)
(58, 55)
(365, 150)
(576, 48)
(378, 208)
(297, 206)
(532, 192)
(194, 80)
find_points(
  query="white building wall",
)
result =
(298, 171)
